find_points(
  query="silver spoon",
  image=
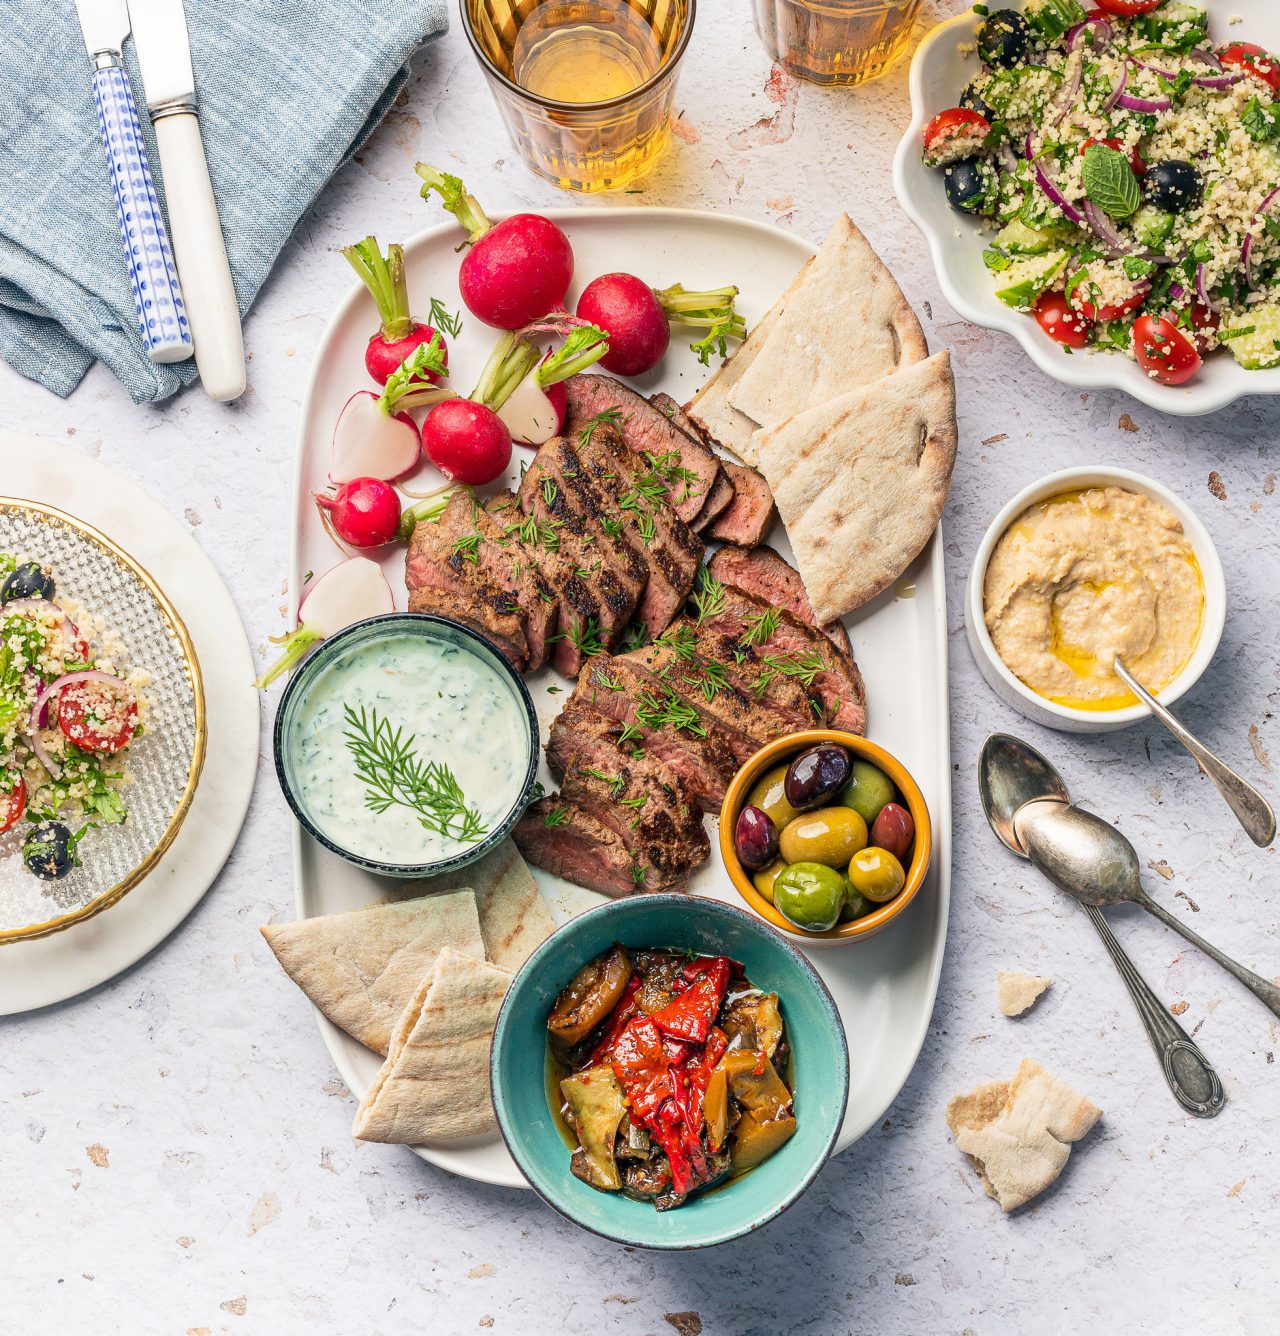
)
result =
(1091, 860)
(1252, 810)
(1012, 775)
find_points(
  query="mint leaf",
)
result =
(1261, 120)
(1109, 181)
(1135, 268)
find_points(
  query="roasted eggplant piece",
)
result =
(753, 1022)
(596, 1109)
(754, 1141)
(589, 997)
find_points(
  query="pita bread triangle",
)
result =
(434, 1085)
(860, 482)
(362, 968)
(514, 918)
(846, 324)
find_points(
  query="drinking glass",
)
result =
(585, 87)
(840, 42)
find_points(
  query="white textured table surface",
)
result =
(174, 1148)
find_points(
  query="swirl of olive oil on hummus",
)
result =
(1084, 576)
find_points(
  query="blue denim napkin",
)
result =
(288, 90)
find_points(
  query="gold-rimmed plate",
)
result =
(109, 587)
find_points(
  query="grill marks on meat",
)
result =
(761, 572)
(649, 433)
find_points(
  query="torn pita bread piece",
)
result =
(846, 324)
(362, 968)
(1018, 1134)
(1018, 991)
(860, 482)
(434, 1085)
(514, 918)
(710, 408)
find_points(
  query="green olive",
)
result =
(831, 835)
(867, 791)
(770, 797)
(764, 879)
(810, 895)
(876, 874)
(856, 905)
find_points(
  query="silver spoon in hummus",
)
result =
(1252, 810)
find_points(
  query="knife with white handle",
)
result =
(157, 295)
(164, 54)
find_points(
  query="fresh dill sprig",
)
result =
(468, 548)
(394, 775)
(709, 597)
(611, 417)
(760, 628)
(667, 710)
(438, 317)
(556, 816)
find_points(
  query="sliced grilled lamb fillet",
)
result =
(475, 537)
(649, 433)
(746, 724)
(720, 500)
(544, 496)
(761, 572)
(750, 515)
(670, 548)
(576, 604)
(657, 829)
(495, 615)
(837, 680)
(695, 750)
(579, 847)
(721, 494)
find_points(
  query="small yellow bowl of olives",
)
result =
(825, 835)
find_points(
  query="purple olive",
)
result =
(815, 775)
(755, 837)
(893, 829)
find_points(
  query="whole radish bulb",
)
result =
(365, 512)
(625, 306)
(515, 271)
(467, 442)
(399, 333)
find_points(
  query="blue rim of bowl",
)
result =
(731, 913)
(312, 665)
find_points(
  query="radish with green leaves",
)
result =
(375, 436)
(350, 592)
(514, 271)
(399, 333)
(638, 319)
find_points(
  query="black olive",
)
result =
(972, 100)
(970, 185)
(49, 851)
(1004, 39)
(1173, 185)
(27, 581)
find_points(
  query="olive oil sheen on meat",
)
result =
(586, 52)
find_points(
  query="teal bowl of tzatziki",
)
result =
(407, 745)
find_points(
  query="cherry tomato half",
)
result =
(1128, 9)
(1251, 59)
(1203, 321)
(1163, 351)
(954, 134)
(13, 804)
(1135, 158)
(97, 717)
(1061, 321)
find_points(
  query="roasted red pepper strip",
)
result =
(620, 1015)
(693, 1077)
(670, 1135)
(642, 1069)
(689, 1016)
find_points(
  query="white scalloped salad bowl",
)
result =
(939, 71)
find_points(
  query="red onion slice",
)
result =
(1246, 251)
(25, 607)
(1067, 99)
(37, 710)
(1145, 104)
(1050, 189)
(1117, 92)
(1217, 81)
(1203, 293)
(1205, 57)
(1099, 39)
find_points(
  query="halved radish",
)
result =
(349, 592)
(375, 437)
(529, 396)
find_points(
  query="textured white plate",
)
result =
(885, 988)
(52, 969)
(939, 72)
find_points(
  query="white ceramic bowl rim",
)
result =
(1215, 590)
(1223, 381)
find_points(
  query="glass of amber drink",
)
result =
(586, 87)
(840, 42)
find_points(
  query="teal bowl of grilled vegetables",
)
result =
(668, 1072)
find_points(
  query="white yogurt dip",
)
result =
(451, 710)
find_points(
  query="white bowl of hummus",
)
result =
(1080, 567)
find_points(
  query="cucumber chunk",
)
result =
(1052, 18)
(1259, 347)
(1152, 226)
(1019, 239)
(1024, 280)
